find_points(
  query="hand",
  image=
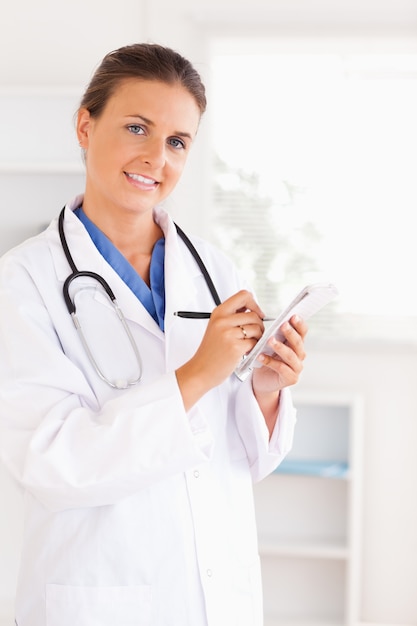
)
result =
(233, 330)
(285, 366)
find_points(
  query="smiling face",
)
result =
(137, 148)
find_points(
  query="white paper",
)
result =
(310, 300)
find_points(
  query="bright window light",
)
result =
(323, 146)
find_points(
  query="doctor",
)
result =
(136, 445)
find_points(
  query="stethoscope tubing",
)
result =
(70, 304)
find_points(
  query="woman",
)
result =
(138, 497)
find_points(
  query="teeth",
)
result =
(142, 179)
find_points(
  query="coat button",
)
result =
(196, 473)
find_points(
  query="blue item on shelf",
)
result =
(327, 469)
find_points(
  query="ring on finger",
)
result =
(244, 332)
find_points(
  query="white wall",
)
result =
(386, 380)
(50, 47)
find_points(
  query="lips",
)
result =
(142, 181)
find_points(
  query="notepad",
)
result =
(310, 300)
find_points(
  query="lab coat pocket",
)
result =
(67, 605)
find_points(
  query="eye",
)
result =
(136, 129)
(177, 143)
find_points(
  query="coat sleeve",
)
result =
(63, 448)
(264, 453)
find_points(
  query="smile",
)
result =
(142, 179)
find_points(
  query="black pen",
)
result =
(193, 315)
(197, 315)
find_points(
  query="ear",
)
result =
(84, 122)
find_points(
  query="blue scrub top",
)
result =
(153, 298)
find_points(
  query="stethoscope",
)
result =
(69, 301)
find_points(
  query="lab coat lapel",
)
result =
(182, 337)
(180, 272)
(87, 257)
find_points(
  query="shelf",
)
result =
(42, 167)
(324, 469)
(270, 547)
(271, 621)
(308, 518)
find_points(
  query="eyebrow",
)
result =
(150, 123)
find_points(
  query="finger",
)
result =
(285, 351)
(250, 331)
(287, 355)
(299, 324)
(293, 339)
(244, 333)
(249, 317)
(287, 374)
(247, 341)
(242, 301)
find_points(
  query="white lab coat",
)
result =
(136, 512)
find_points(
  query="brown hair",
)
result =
(143, 61)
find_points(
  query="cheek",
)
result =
(176, 168)
(97, 165)
(106, 157)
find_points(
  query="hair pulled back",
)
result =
(143, 61)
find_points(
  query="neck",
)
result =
(134, 235)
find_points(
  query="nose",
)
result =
(154, 152)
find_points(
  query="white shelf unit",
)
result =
(309, 518)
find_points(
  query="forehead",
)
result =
(154, 100)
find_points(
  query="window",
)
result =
(315, 167)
